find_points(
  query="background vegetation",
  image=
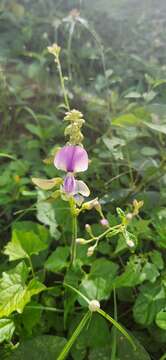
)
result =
(113, 58)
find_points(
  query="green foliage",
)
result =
(25, 243)
(161, 320)
(58, 259)
(120, 87)
(15, 294)
(41, 347)
(6, 329)
(148, 303)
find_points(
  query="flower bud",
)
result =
(137, 205)
(90, 204)
(94, 305)
(54, 50)
(129, 216)
(87, 227)
(80, 241)
(130, 243)
(104, 222)
(91, 250)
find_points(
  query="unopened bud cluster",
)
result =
(54, 50)
(136, 207)
(73, 130)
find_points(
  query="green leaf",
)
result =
(42, 347)
(14, 293)
(156, 127)
(133, 94)
(23, 245)
(46, 214)
(98, 288)
(7, 328)
(157, 259)
(126, 120)
(161, 320)
(149, 302)
(149, 151)
(89, 337)
(125, 351)
(40, 230)
(117, 326)
(31, 316)
(14, 249)
(103, 268)
(150, 272)
(130, 277)
(74, 336)
(149, 96)
(136, 273)
(35, 130)
(58, 259)
(28, 238)
(101, 353)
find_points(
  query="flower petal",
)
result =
(69, 185)
(82, 188)
(47, 184)
(71, 159)
(78, 199)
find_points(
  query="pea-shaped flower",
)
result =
(72, 159)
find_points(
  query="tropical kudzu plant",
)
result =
(19, 284)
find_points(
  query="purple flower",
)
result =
(69, 185)
(74, 187)
(71, 159)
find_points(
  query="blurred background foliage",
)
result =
(114, 62)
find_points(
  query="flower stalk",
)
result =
(55, 50)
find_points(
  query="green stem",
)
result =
(31, 266)
(117, 325)
(74, 237)
(115, 230)
(74, 336)
(62, 84)
(113, 350)
(78, 292)
(46, 308)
